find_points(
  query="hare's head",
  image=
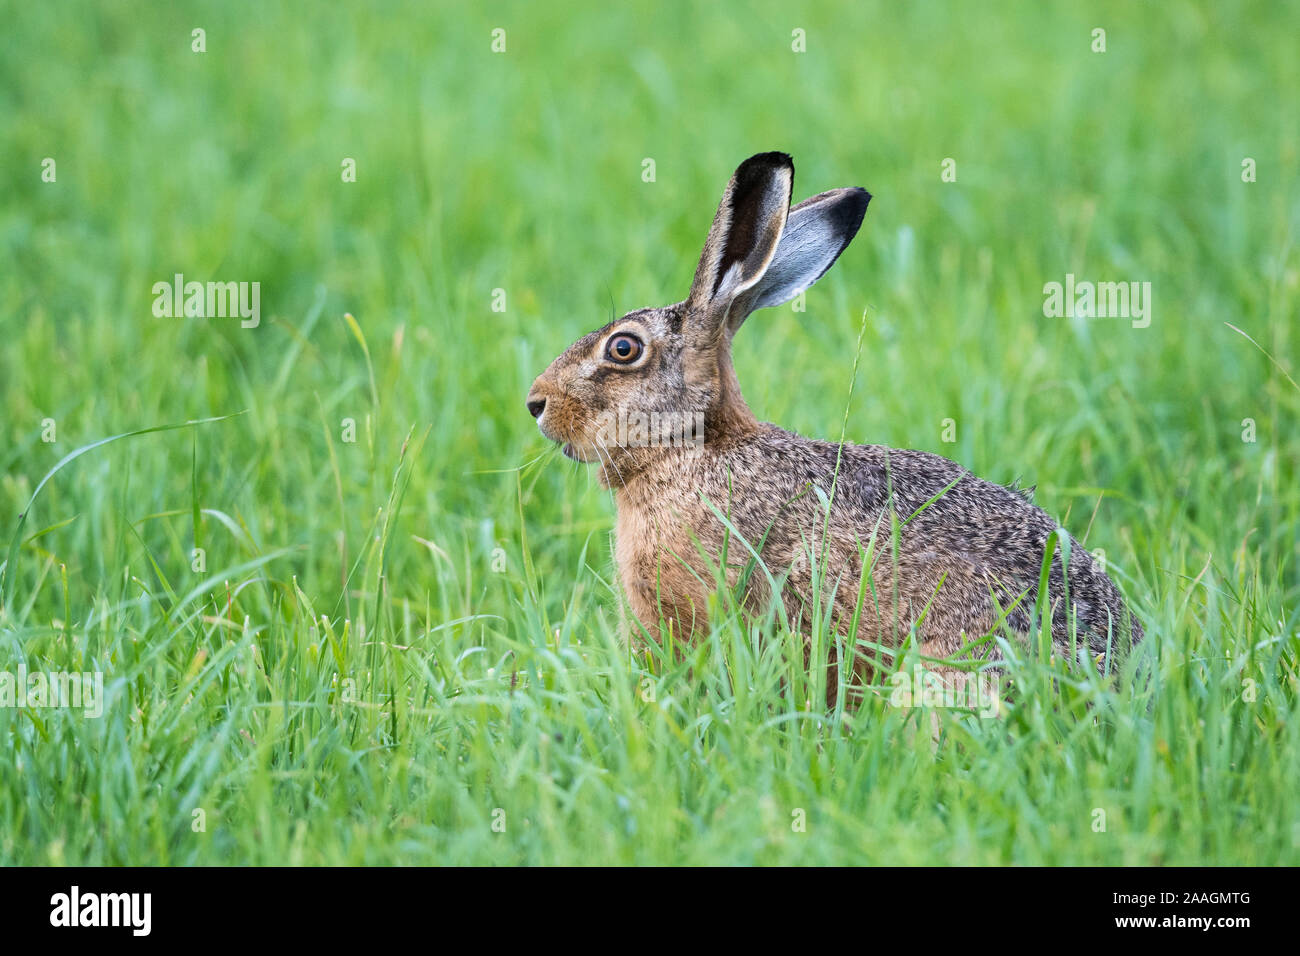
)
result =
(661, 379)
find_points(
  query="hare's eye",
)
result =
(624, 348)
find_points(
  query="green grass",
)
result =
(395, 637)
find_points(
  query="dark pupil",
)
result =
(623, 348)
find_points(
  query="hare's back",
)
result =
(955, 527)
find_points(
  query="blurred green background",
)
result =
(522, 171)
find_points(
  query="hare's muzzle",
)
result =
(536, 403)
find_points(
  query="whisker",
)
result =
(610, 458)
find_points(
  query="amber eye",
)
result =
(624, 348)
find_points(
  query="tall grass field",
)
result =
(330, 598)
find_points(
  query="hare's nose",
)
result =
(536, 406)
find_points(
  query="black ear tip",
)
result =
(773, 160)
(855, 209)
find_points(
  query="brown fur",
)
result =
(975, 549)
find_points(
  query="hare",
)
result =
(699, 482)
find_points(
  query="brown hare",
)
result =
(907, 541)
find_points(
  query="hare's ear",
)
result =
(816, 232)
(744, 236)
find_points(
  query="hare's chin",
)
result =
(578, 453)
